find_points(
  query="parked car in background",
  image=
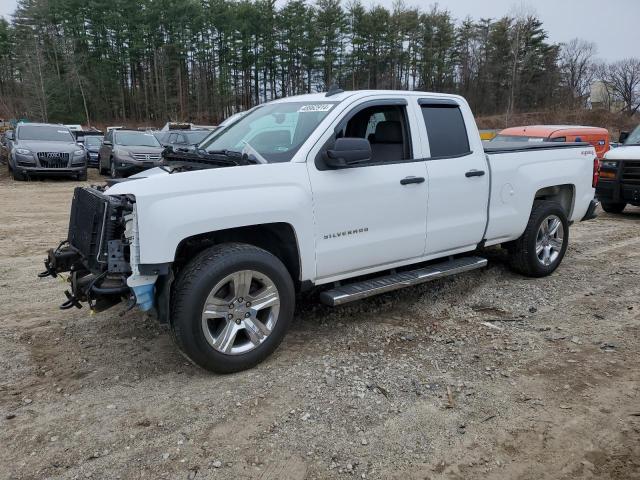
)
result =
(619, 183)
(598, 137)
(124, 152)
(185, 126)
(92, 140)
(92, 144)
(45, 149)
(74, 127)
(357, 193)
(182, 139)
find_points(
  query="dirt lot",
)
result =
(488, 375)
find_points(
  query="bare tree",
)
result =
(577, 67)
(623, 81)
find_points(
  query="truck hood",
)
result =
(172, 207)
(39, 146)
(152, 172)
(159, 184)
(632, 152)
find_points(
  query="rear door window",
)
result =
(446, 129)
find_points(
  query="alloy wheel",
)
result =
(549, 240)
(240, 312)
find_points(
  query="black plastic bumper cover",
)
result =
(591, 212)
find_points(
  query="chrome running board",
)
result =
(368, 288)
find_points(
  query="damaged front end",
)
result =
(101, 253)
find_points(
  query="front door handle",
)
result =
(410, 180)
(474, 173)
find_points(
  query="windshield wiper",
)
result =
(230, 154)
(245, 157)
(200, 156)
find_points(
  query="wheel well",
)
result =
(562, 194)
(276, 238)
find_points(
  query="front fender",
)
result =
(174, 207)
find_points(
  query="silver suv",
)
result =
(125, 152)
(45, 149)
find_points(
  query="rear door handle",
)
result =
(474, 173)
(409, 180)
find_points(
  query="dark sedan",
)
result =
(92, 144)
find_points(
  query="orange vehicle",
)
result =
(598, 137)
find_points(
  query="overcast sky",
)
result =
(612, 25)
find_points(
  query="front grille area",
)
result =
(147, 157)
(90, 226)
(53, 159)
(631, 172)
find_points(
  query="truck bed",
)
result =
(519, 170)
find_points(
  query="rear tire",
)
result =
(244, 321)
(541, 248)
(611, 207)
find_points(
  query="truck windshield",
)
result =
(634, 137)
(45, 133)
(275, 130)
(136, 139)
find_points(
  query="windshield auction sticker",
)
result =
(316, 107)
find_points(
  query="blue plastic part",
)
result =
(144, 296)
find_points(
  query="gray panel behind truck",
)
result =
(42, 149)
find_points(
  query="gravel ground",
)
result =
(488, 375)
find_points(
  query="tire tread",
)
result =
(519, 253)
(185, 283)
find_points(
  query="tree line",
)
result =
(202, 60)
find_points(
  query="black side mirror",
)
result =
(348, 152)
(623, 137)
(9, 135)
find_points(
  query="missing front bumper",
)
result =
(100, 290)
(96, 252)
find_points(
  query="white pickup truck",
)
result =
(351, 193)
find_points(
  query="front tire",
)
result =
(611, 207)
(542, 246)
(101, 171)
(231, 307)
(113, 171)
